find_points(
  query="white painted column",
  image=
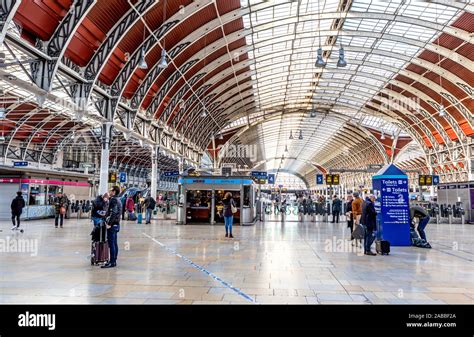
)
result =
(154, 171)
(104, 157)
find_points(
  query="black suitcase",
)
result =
(382, 247)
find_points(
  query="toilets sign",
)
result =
(392, 205)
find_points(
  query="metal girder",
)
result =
(383, 53)
(139, 96)
(37, 129)
(146, 85)
(438, 127)
(19, 124)
(44, 71)
(113, 39)
(120, 82)
(51, 133)
(8, 9)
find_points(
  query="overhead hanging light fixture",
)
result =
(341, 63)
(313, 113)
(163, 60)
(142, 63)
(204, 112)
(383, 135)
(291, 134)
(441, 110)
(286, 148)
(319, 59)
(300, 137)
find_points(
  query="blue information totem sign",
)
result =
(123, 177)
(392, 205)
(20, 163)
(319, 179)
(271, 179)
(171, 173)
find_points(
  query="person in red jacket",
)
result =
(130, 205)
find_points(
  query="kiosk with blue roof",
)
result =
(393, 210)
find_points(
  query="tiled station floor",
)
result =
(271, 262)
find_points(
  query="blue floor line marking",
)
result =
(204, 270)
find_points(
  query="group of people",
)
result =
(107, 211)
(363, 212)
(139, 204)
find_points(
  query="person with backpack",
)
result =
(17, 205)
(150, 205)
(228, 211)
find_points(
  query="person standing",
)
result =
(59, 210)
(349, 216)
(356, 208)
(336, 209)
(99, 209)
(113, 216)
(150, 205)
(130, 206)
(228, 214)
(17, 205)
(369, 220)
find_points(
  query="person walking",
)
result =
(369, 220)
(17, 205)
(229, 208)
(150, 205)
(336, 209)
(113, 216)
(59, 210)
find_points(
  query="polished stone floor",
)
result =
(271, 262)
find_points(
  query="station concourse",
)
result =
(240, 134)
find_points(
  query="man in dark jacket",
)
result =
(423, 219)
(369, 220)
(113, 216)
(17, 205)
(336, 209)
(150, 204)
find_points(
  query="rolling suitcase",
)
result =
(139, 218)
(100, 248)
(382, 247)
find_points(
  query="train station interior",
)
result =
(229, 142)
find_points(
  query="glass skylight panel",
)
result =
(398, 47)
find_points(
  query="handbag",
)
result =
(233, 209)
(62, 210)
